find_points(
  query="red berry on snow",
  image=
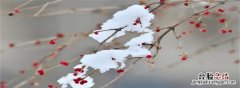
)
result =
(75, 74)
(83, 82)
(146, 7)
(96, 33)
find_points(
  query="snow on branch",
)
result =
(135, 18)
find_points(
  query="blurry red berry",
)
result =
(206, 6)
(64, 63)
(204, 30)
(222, 20)
(120, 70)
(221, 9)
(184, 58)
(41, 72)
(148, 56)
(206, 13)
(17, 10)
(50, 86)
(11, 45)
(146, 7)
(59, 35)
(198, 25)
(52, 42)
(38, 42)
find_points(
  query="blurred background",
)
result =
(74, 16)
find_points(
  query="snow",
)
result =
(102, 60)
(125, 18)
(68, 80)
(144, 38)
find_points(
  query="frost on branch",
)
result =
(133, 19)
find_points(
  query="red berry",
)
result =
(222, 20)
(223, 31)
(79, 70)
(198, 25)
(146, 7)
(184, 33)
(191, 22)
(17, 10)
(3, 84)
(206, 6)
(77, 80)
(184, 58)
(52, 42)
(206, 13)
(35, 64)
(162, 1)
(41, 72)
(158, 29)
(50, 86)
(64, 63)
(81, 55)
(59, 35)
(237, 61)
(11, 45)
(83, 82)
(75, 74)
(204, 30)
(134, 23)
(138, 20)
(229, 30)
(148, 56)
(186, 3)
(221, 9)
(120, 70)
(96, 33)
(38, 42)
